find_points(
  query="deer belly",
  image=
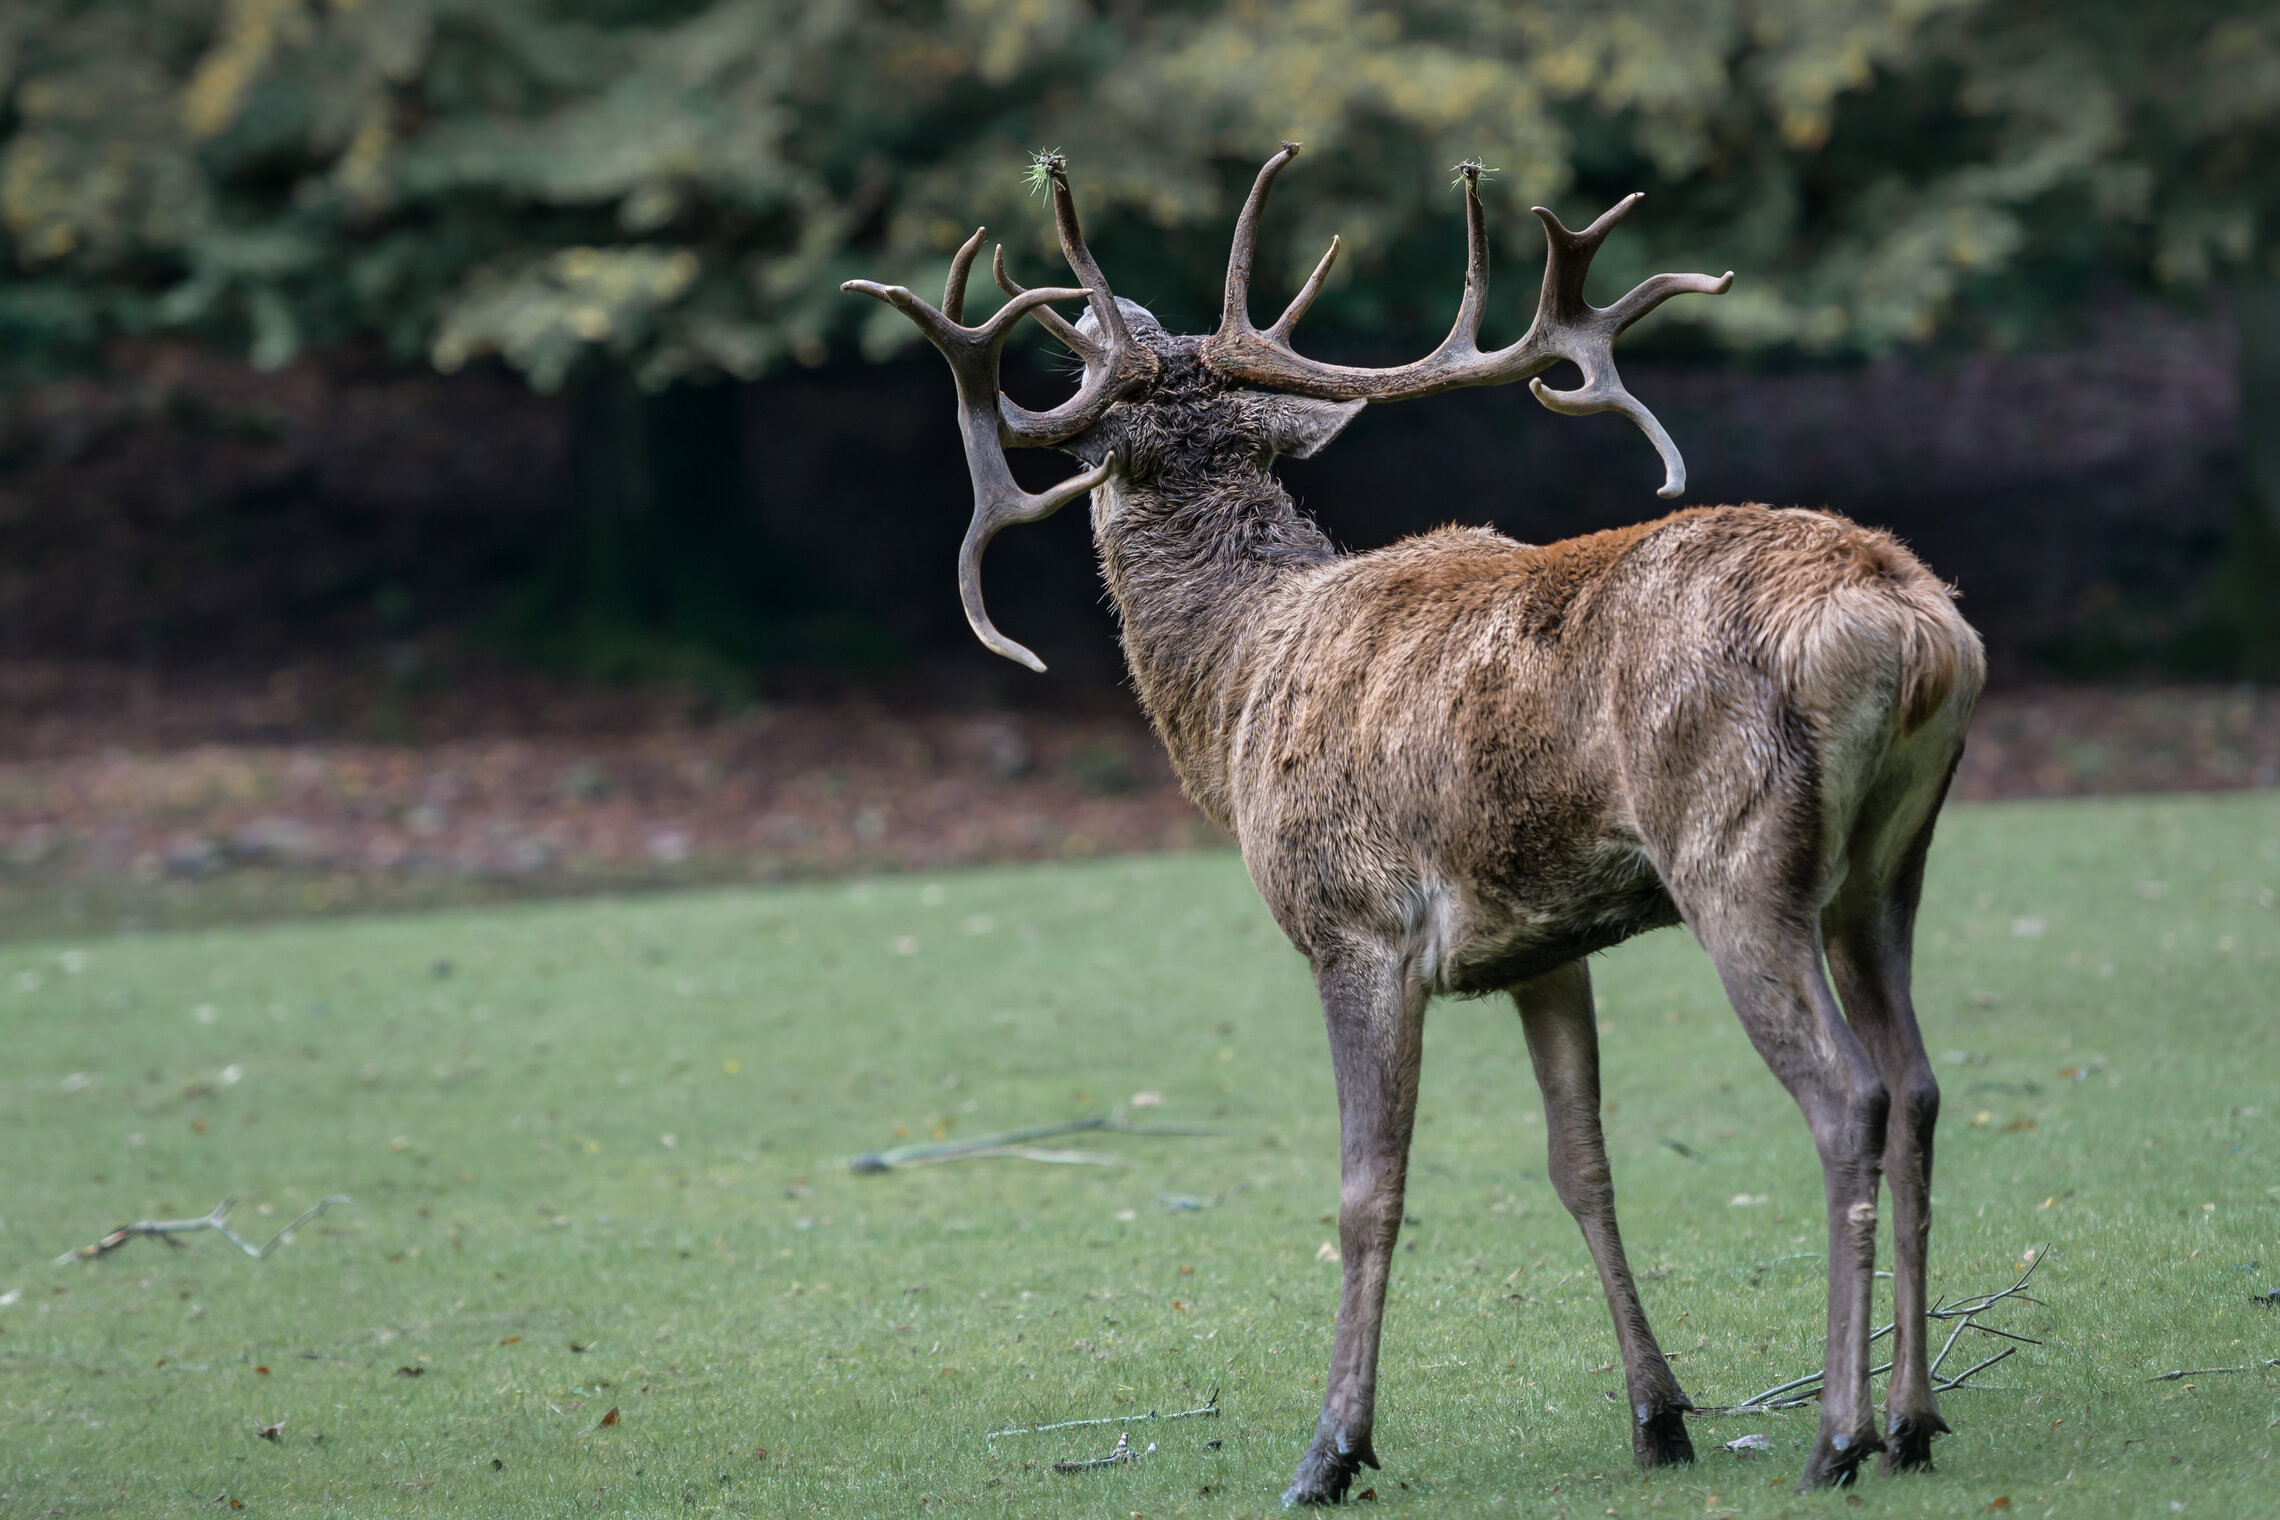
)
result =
(1524, 934)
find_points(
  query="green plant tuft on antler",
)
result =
(1043, 165)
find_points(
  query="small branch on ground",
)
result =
(167, 1229)
(1012, 1144)
(2186, 1372)
(1940, 1386)
(1037, 1153)
(1800, 1391)
(1965, 1308)
(1117, 1458)
(1207, 1410)
(1185, 1203)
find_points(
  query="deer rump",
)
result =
(1463, 764)
(1483, 751)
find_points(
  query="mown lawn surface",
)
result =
(595, 1152)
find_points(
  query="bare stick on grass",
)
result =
(2186, 1372)
(218, 1219)
(1208, 1410)
(1117, 1458)
(1013, 1144)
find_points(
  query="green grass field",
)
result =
(596, 1157)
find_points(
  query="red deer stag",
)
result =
(1463, 764)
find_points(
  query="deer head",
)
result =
(1272, 399)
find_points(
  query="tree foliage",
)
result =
(678, 186)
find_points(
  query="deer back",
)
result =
(1508, 737)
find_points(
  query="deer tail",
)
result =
(1852, 612)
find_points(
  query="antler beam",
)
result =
(988, 421)
(1566, 326)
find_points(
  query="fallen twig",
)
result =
(1957, 1380)
(1022, 1153)
(1965, 1308)
(2186, 1372)
(2009, 1335)
(1012, 1144)
(1208, 1410)
(1117, 1458)
(1183, 1203)
(1800, 1391)
(167, 1229)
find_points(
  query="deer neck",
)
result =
(1190, 560)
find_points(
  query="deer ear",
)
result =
(1302, 427)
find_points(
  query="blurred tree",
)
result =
(659, 192)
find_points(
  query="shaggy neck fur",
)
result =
(1194, 532)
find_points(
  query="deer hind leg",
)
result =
(1771, 969)
(1376, 1018)
(1563, 1042)
(1870, 929)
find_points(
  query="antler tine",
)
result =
(1080, 257)
(1466, 329)
(960, 344)
(1656, 289)
(1056, 324)
(1235, 311)
(1566, 325)
(1568, 255)
(1280, 332)
(954, 288)
(1606, 394)
(985, 526)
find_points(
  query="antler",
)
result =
(989, 422)
(1566, 326)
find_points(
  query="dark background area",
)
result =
(186, 513)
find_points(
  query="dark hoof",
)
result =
(1908, 1444)
(1659, 1437)
(1327, 1470)
(1836, 1460)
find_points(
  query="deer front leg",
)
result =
(1376, 1020)
(1563, 1042)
